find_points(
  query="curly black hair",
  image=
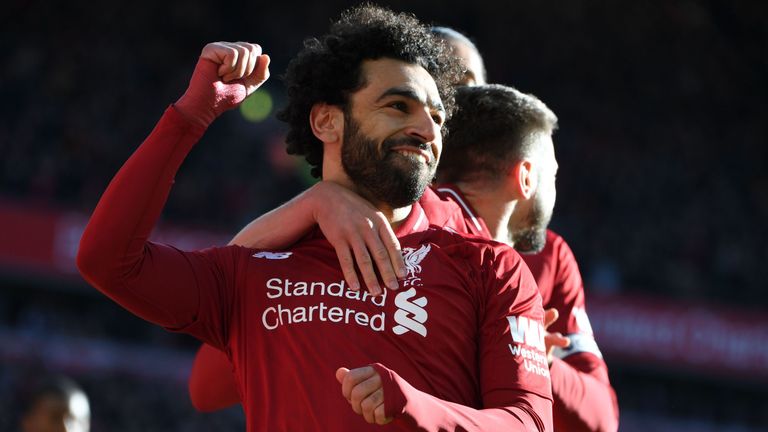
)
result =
(328, 70)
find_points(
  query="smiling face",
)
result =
(392, 138)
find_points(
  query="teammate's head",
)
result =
(56, 405)
(368, 80)
(501, 137)
(467, 52)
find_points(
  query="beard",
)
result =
(533, 237)
(385, 175)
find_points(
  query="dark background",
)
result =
(662, 189)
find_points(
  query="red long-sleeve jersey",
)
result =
(584, 398)
(458, 347)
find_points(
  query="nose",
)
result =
(423, 127)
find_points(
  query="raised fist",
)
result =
(226, 73)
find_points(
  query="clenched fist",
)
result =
(362, 387)
(226, 73)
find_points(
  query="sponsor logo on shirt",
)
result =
(279, 315)
(272, 255)
(410, 315)
(528, 343)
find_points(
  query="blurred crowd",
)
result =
(663, 182)
(118, 402)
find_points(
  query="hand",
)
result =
(226, 73)
(552, 340)
(363, 389)
(353, 226)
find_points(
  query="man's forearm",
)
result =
(583, 402)
(424, 412)
(114, 250)
(280, 227)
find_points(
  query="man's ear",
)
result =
(327, 123)
(523, 179)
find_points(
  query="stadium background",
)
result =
(663, 186)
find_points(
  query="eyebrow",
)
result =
(409, 93)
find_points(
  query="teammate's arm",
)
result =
(159, 283)
(514, 379)
(583, 396)
(359, 233)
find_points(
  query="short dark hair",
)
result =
(328, 70)
(490, 130)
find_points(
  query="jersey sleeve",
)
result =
(212, 383)
(182, 291)
(583, 396)
(514, 377)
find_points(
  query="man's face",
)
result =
(392, 138)
(528, 229)
(472, 62)
(54, 413)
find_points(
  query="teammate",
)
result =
(467, 52)
(56, 405)
(505, 190)
(366, 106)
(474, 156)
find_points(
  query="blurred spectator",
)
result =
(56, 404)
(663, 184)
(663, 187)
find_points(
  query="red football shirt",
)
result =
(584, 398)
(458, 347)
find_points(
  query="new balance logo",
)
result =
(272, 255)
(410, 315)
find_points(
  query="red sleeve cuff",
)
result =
(394, 399)
(174, 117)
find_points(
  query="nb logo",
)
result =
(410, 315)
(272, 255)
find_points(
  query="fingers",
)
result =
(354, 377)
(253, 58)
(394, 253)
(382, 249)
(242, 58)
(556, 340)
(361, 236)
(238, 60)
(379, 415)
(365, 264)
(341, 373)
(550, 316)
(552, 340)
(348, 267)
(363, 389)
(369, 404)
(261, 70)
